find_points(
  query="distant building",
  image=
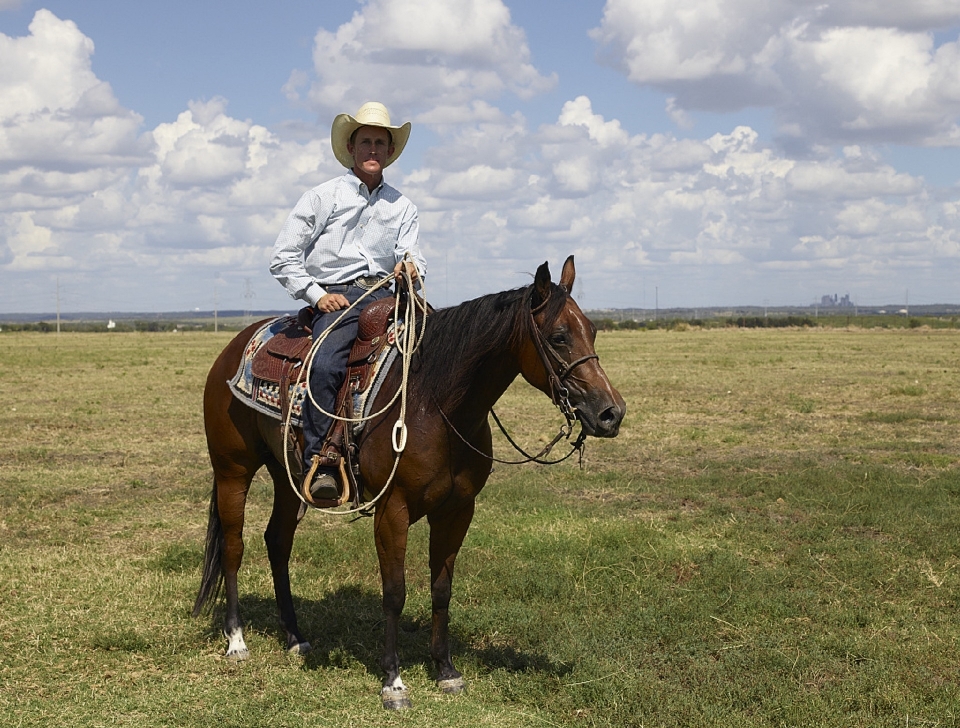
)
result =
(836, 302)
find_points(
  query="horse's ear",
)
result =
(541, 285)
(567, 275)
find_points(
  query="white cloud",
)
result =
(858, 70)
(579, 112)
(874, 216)
(575, 175)
(916, 15)
(700, 256)
(204, 146)
(659, 205)
(422, 55)
(477, 182)
(82, 188)
(658, 41)
(546, 213)
(54, 112)
(833, 180)
(680, 117)
(26, 242)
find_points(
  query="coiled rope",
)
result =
(408, 341)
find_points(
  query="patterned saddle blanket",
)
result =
(258, 383)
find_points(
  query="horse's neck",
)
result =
(478, 390)
(477, 376)
(491, 382)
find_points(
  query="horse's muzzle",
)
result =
(603, 421)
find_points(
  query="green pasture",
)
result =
(772, 541)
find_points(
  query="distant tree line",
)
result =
(770, 322)
(119, 326)
(775, 322)
(604, 323)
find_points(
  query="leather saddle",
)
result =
(280, 360)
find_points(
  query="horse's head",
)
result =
(559, 358)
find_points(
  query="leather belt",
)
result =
(366, 282)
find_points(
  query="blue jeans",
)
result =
(330, 365)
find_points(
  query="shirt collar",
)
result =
(361, 187)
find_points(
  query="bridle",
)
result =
(559, 394)
(557, 371)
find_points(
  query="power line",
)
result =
(248, 295)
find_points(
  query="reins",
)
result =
(565, 431)
(559, 395)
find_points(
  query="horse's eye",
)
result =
(558, 339)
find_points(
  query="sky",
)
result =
(689, 153)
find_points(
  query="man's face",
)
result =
(370, 149)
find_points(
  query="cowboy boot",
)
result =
(320, 483)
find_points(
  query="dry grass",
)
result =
(762, 398)
(770, 541)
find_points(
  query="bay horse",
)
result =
(468, 357)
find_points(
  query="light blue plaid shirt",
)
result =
(338, 231)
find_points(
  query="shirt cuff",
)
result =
(313, 293)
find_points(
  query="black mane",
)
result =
(459, 339)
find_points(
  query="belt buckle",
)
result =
(367, 282)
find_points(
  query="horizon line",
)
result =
(203, 313)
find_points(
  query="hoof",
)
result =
(395, 699)
(299, 649)
(452, 686)
(236, 648)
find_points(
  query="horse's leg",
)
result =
(236, 453)
(447, 532)
(391, 524)
(231, 499)
(279, 538)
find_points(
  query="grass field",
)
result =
(772, 540)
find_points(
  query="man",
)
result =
(340, 240)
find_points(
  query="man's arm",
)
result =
(298, 232)
(408, 246)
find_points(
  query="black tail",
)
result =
(212, 579)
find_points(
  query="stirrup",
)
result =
(344, 485)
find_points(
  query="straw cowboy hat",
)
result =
(371, 113)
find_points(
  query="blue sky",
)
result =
(718, 152)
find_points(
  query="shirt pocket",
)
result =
(380, 239)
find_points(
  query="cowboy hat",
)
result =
(371, 113)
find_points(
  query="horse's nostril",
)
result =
(610, 416)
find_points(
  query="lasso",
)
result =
(408, 341)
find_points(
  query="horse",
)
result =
(468, 356)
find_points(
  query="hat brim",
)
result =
(343, 127)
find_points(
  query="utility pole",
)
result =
(248, 296)
(216, 304)
(58, 304)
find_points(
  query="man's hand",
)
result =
(411, 269)
(330, 302)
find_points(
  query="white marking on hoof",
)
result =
(300, 649)
(236, 647)
(453, 686)
(397, 684)
(395, 698)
